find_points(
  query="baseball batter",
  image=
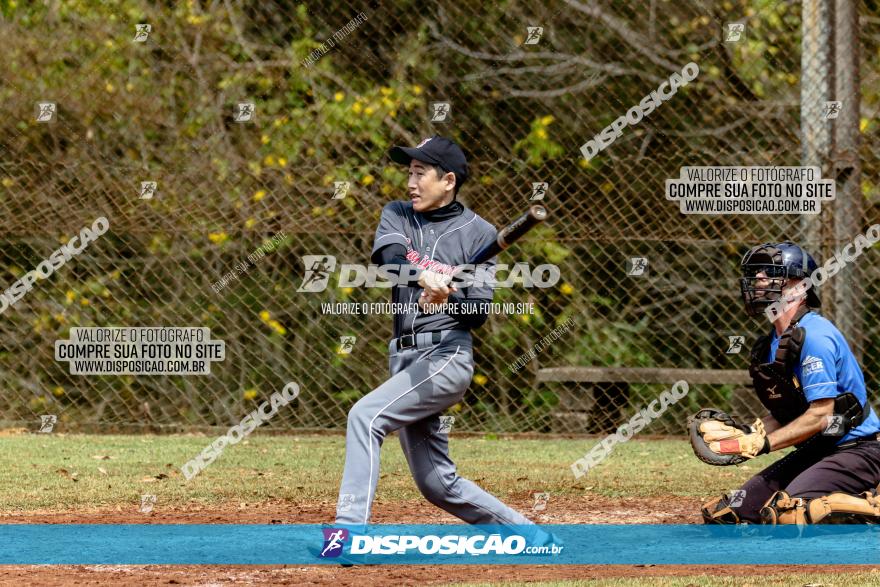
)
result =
(806, 376)
(431, 357)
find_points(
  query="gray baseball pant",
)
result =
(425, 380)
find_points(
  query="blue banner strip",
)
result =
(244, 544)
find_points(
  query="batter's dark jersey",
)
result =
(437, 246)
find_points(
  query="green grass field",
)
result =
(63, 472)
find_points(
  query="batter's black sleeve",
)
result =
(469, 313)
(394, 254)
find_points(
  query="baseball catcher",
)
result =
(807, 378)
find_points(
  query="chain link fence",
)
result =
(333, 87)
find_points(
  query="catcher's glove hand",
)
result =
(718, 439)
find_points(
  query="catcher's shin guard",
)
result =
(834, 508)
(718, 511)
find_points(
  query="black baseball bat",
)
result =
(510, 234)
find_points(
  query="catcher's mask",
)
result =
(779, 263)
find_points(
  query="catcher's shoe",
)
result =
(718, 511)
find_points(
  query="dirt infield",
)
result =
(560, 510)
(368, 576)
(594, 510)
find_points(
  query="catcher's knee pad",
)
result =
(718, 511)
(834, 508)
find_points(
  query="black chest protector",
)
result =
(778, 387)
(775, 383)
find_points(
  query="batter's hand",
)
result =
(434, 280)
(436, 289)
(428, 301)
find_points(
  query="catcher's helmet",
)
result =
(779, 262)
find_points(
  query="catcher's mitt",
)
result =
(714, 426)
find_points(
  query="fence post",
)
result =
(848, 210)
(816, 83)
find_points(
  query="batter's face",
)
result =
(426, 190)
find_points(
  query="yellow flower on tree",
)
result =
(250, 394)
(368, 179)
(249, 223)
(264, 316)
(547, 120)
(218, 238)
(480, 379)
(259, 195)
(58, 391)
(339, 96)
(566, 288)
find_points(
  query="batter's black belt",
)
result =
(408, 341)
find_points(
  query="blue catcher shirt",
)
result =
(828, 368)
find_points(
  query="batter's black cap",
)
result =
(439, 151)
